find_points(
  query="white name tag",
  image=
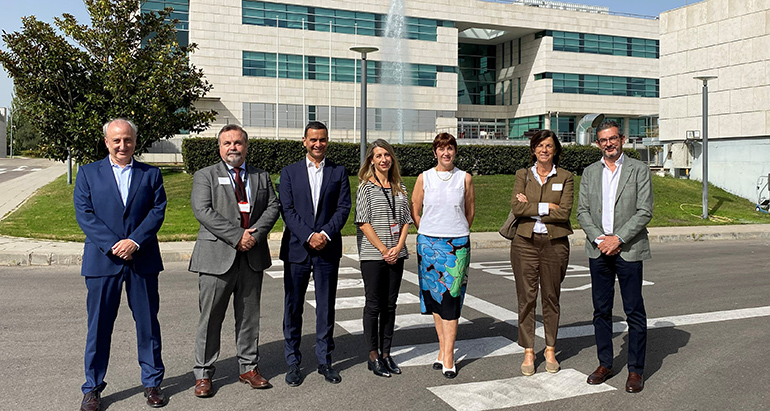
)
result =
(224, 180)
(557, 187)
(244, 207)
(394, 229)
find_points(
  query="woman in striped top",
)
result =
(383, 218)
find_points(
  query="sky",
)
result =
(46, 10)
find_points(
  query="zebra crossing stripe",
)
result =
(342, 270)
(426, 354)
(358, 301)
(403, 322)
(517, 391)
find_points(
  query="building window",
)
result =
(518, 82)
(258, 64)
(477, 74)
(519, 51)
(517, 127)
(602, 85)
(181, 12)
(261, 13)
(602, 44)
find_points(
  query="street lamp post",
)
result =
(363, 51)
(705, 159)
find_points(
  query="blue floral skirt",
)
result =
(443, 267)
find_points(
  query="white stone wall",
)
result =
(729, 39)
(726, 38)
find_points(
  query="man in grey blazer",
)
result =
(236, 206)
(614, 208)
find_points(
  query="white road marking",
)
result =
(426, 354)
(358, 301)
(403, 322)
(343, 270)
(353, 257)
(517, 391)
(342, 284)
(666, 322)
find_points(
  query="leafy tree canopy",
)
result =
(125, 64)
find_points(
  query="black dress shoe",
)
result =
(329, 373)
(91, 401)
(378, 367)
(392, 366)
(155, 397)
(294, 377)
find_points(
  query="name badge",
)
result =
(557, 187)
(244, 206)
(394, 229)
(224, 180)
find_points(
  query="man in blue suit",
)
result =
(315, 199)
(120, 205)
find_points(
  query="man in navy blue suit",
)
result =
(315, 199)
(120, 205)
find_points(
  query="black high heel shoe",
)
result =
(391, 365)
(378, 368)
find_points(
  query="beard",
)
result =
(234, 159)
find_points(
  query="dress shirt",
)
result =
(244, 178)
(610, 181)
(542, 208)
(123, 179)
(316, 177)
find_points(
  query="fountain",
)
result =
(396, 72)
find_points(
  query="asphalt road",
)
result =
(708, 304)
(12, 168)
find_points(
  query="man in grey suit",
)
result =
(614, 208)
(236, 206)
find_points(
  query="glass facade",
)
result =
(518, 126)
(477, 74)
(259, 64)
(181, 12)
(341, 118)
(261, 13)
(602, 85)
(602, 44)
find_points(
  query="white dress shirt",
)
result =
(542, 208)
(316, 177)
(610, 181)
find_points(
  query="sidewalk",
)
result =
(29, 252)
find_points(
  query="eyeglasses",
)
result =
(613, 140)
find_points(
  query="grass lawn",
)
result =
(50, 213)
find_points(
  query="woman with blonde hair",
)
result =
(382, 219)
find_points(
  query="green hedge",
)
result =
(273, 155)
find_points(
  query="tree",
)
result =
(126, 64)
(25, 136)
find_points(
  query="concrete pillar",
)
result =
(547, 121)
(626, 126)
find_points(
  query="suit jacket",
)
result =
(633, 208)
(216, 209)
(557, 221)
(297, 204)
(104, 220)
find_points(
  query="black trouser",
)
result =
(381, 284)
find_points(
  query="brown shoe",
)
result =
(155, 397)
(635, 382)
(599, 376)
(203, 388)
(254, 379)
(91, 401)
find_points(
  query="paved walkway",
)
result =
(25, 252)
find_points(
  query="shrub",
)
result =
(273, 155)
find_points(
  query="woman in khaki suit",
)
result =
(542, 202)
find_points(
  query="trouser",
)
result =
(629, 273)
(295, 282)
(102, 303)
(382, 282)
(245, 285)
(539, 262)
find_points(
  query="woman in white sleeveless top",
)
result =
(445, 196)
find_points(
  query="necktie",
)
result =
(240, 195)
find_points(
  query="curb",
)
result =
(29, 252)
